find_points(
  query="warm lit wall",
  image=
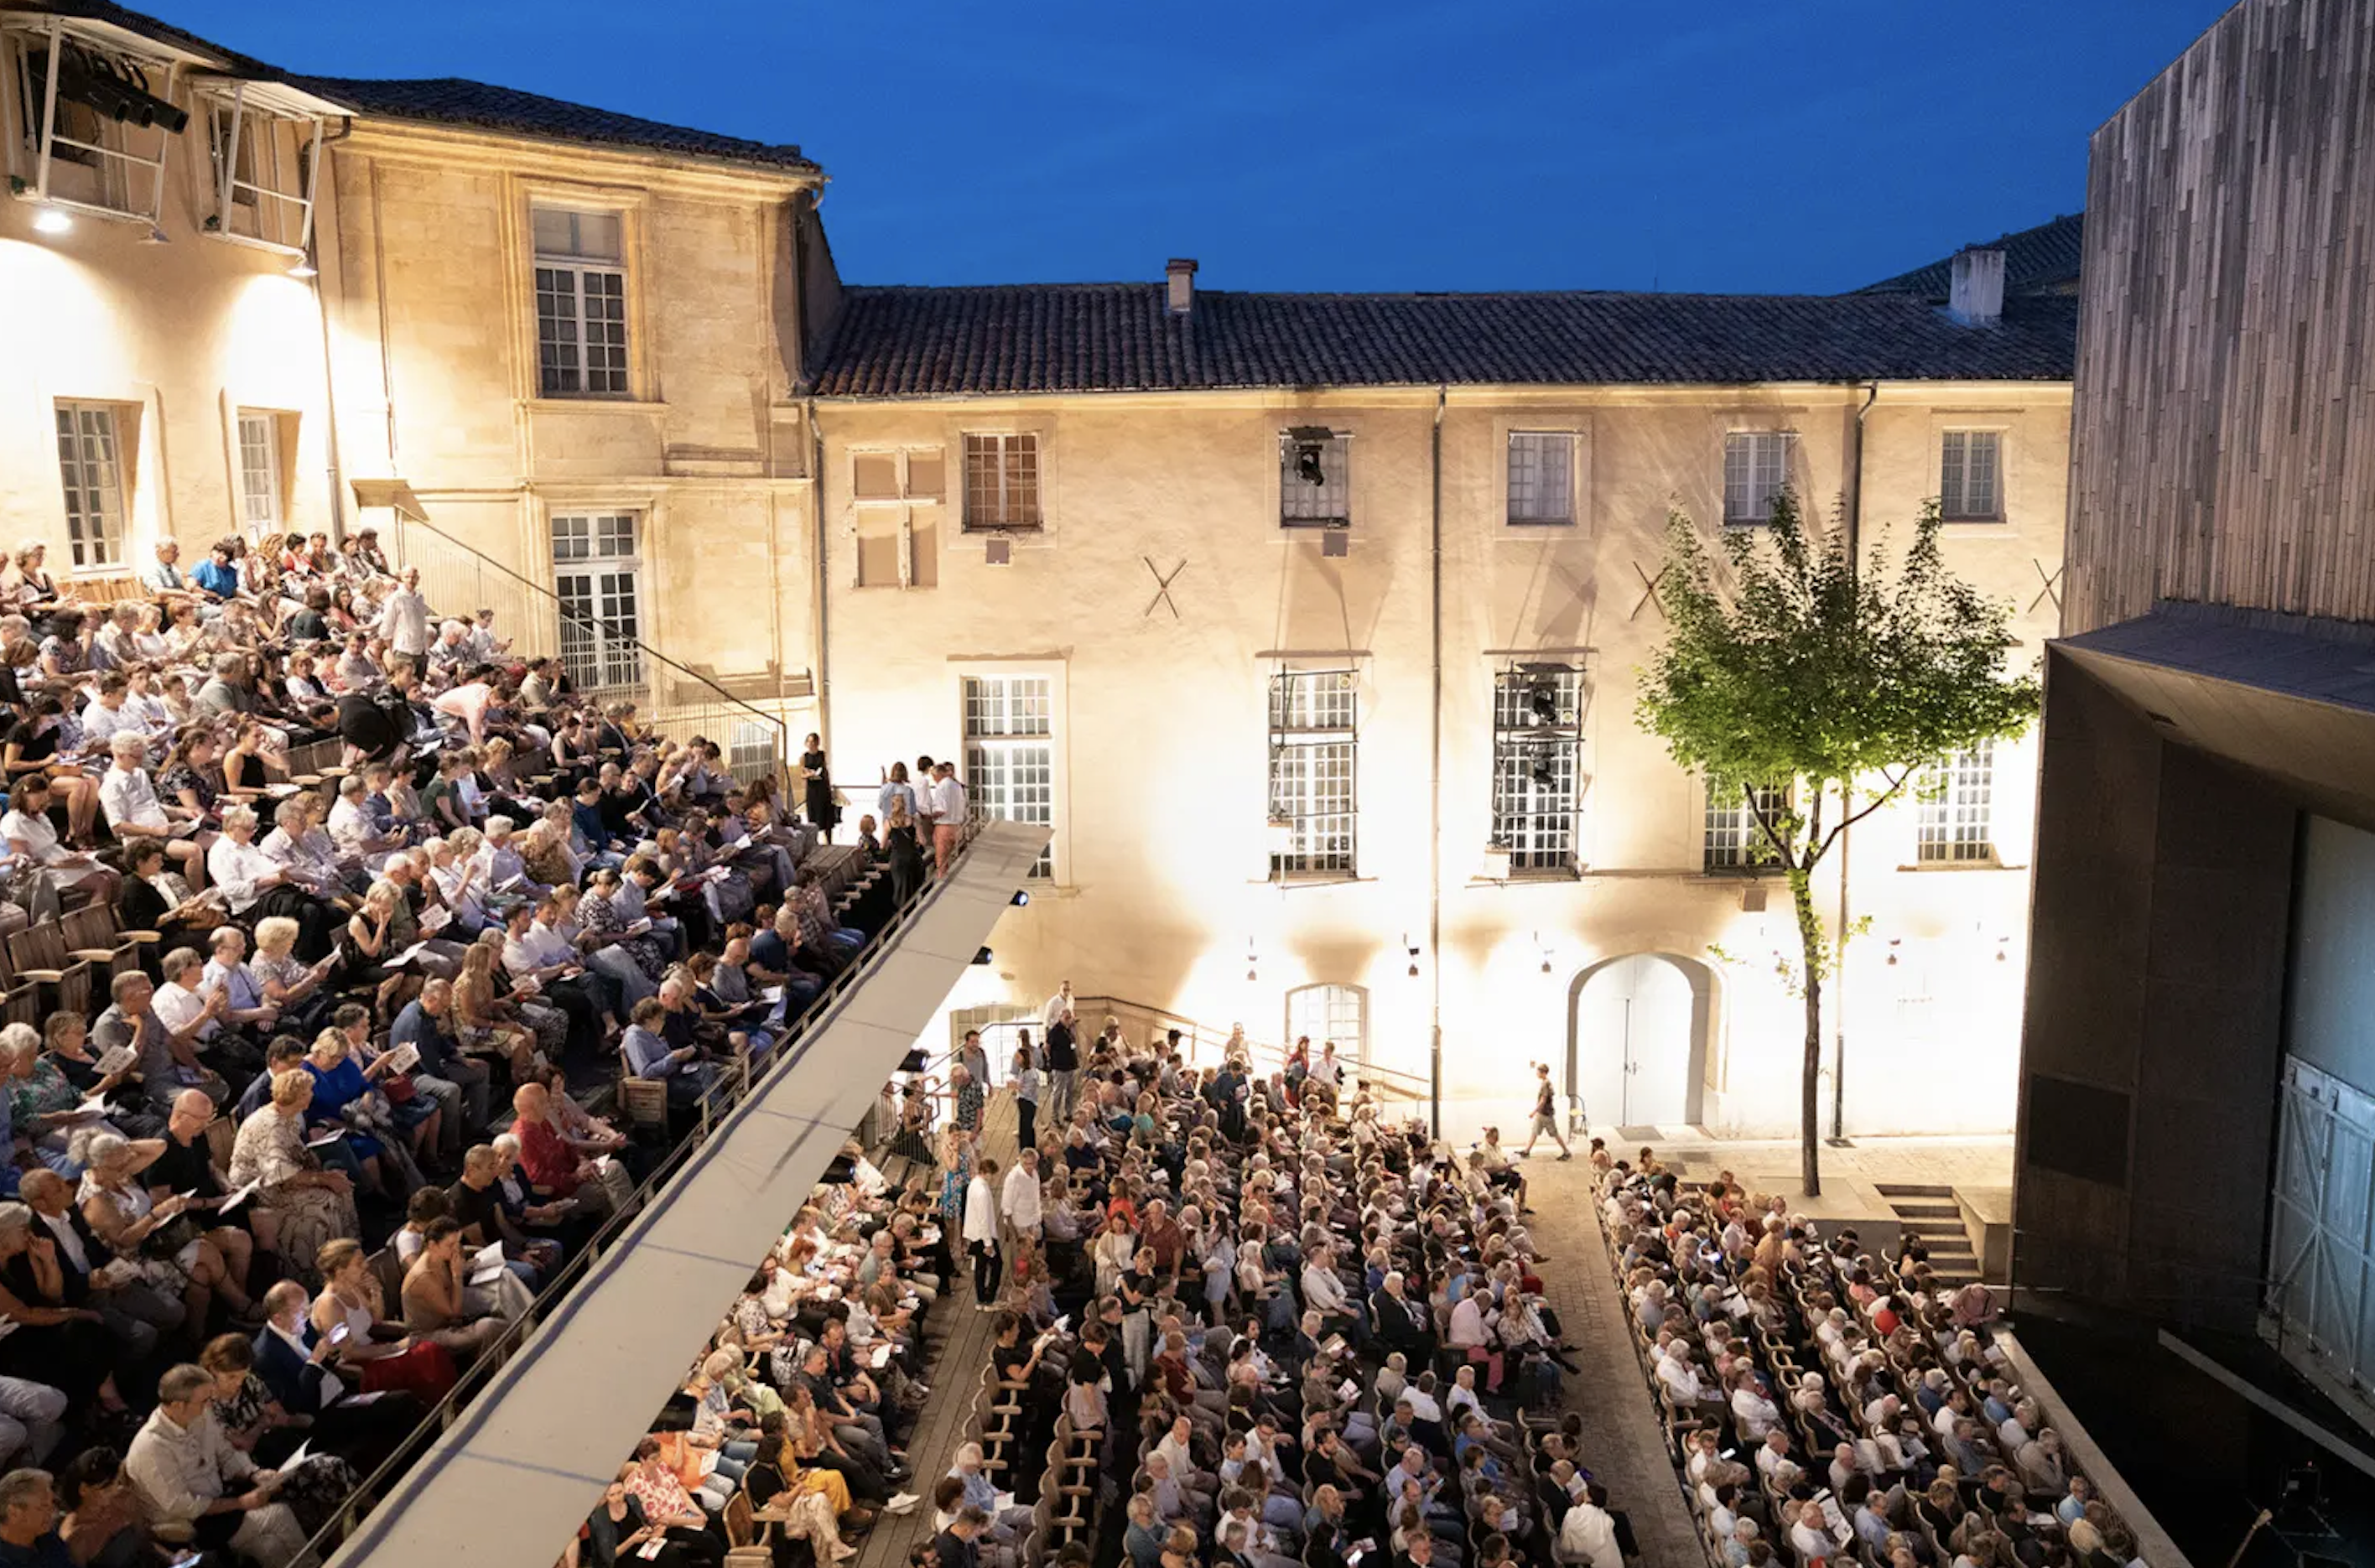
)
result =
(181, 336)
(433, 285)
(1161, 736)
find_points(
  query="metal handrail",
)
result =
(663, 702)
(1264, 1055)
(729, 1093)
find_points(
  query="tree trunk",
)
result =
(1809, 943)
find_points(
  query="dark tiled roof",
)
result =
(1119, 338)
(453, 101)
(2043, 260)
(163, 32)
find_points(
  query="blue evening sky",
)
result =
(1728, 145)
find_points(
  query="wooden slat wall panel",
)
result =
(2223, 437)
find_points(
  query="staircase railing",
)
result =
(601, 658)
(1205, 1046)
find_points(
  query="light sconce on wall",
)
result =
(1892, 943)
(1253, 960)
(1412, 948)
(1544, 949)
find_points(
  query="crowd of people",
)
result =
(1234, 1319)
(1831, 1405)
(401, 908)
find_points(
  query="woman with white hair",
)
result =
(43, 1103)
(287, 981)
(170, 1251)
(253, 884)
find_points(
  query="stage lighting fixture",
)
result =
(982, 956)
(52, 220)
(1020, 898)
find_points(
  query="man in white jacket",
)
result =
(1019, 1197)
(981, 1234)
(1588, 1535)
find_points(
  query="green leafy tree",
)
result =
(1788, 664)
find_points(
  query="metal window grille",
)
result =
(1969, 470)
(91, 470)
(1011, 753)
(1735, 841)
(751, 750)
(598, 577)
(1315, 478)
(1002, 481)
(261, 176)
(1325, 1013)
(1755, 469)
(581, 304)
(1957, 807)
(1541, 476)
(1313, 756)
(259, 469)
(1537, 766)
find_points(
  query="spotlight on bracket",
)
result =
(1020, 898)
(982, 956)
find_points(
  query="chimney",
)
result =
(1975, 296)
(1181, 273)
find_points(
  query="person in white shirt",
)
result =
(351, 827)
(110, 713)
(1019, 1197)
(1471, 1329)
(981, 1235)
(947, 808)
(1808, 1533)
(184, 1005)
(1752, 1413)
(454, 872)
(30, 834)
(1058, 1006)
(130, 800)
(1588, 1535)
(405, 621)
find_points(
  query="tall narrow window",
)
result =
(1537, 766)
(91, 467)
(1970, 484)
(1541, 476)
(1002, 481)
(1329, 1013)
(1315, 478)
(260, 503)
(1958, 807)
(1313, 746)
(598, 576)
(1011, 752)
(1736, 839)
(581, 304)
(1755, 469)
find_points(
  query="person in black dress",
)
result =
(821, 811)
(906, 853)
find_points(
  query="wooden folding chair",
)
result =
(39, 954)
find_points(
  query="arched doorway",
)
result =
(1637, 1040)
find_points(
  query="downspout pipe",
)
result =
(1853, 519)
(329, 371)
(1434, 789)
